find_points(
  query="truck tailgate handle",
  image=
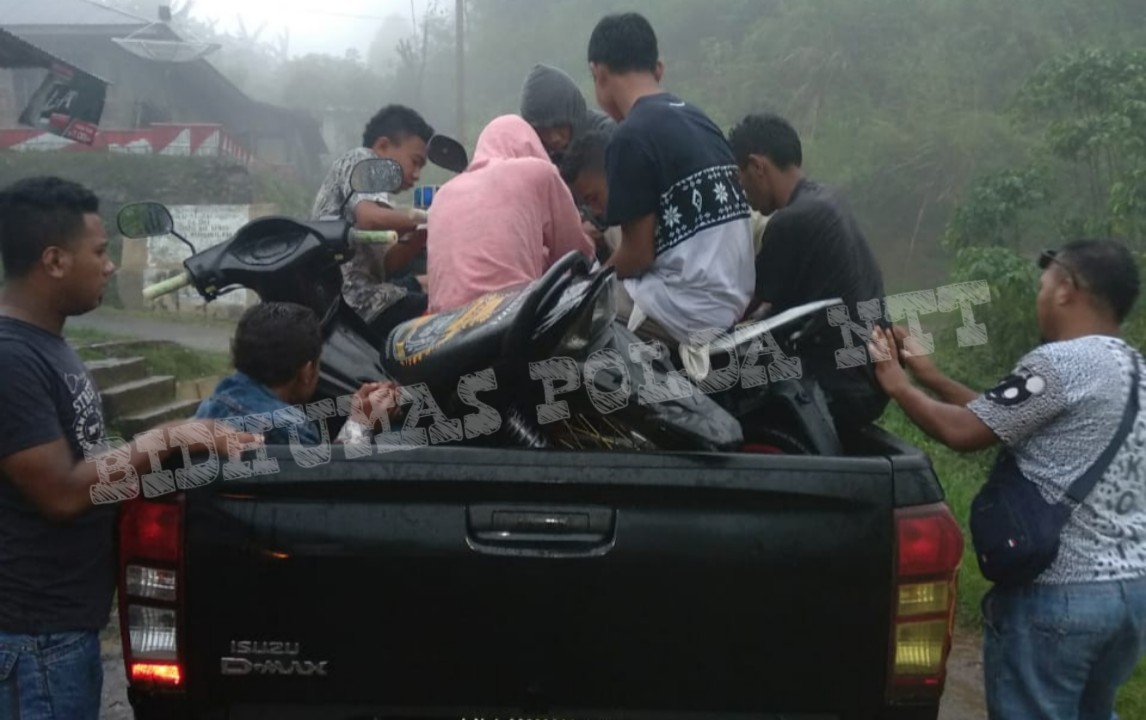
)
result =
(539, 531)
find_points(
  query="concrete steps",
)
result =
(116, 371)
(132, 397)
(135, 400)
(131, 425)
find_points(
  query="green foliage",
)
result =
(1010, 318)
(1092, 102)
(1088, 108)
(1084, 178)
(1128, 205)
(178, 361)
(995, 207)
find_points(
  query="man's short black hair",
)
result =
(769, 135)
(37, 213)
(586, 154)
(396, 123)
(624, 43)
(274, 340)
(1107, 269)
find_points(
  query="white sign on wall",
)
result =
(204, 226)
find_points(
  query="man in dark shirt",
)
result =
(812, 249)
(57, 567)
(686, 248)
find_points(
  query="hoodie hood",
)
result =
(550, 98)
(508, 137)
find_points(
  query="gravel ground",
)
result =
(115, 706)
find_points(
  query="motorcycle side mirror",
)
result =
(145, 220)
(377, 175)
(445, 152)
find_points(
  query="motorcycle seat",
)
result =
(494, 328)
(435, 348)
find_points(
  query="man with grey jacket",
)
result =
(554, 106)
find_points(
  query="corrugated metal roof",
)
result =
(16, 52)
(39, 13)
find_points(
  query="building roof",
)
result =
(51, 22)
(16, 52)
(41, 13)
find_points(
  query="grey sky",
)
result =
(329, 26)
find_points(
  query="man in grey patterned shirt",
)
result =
(1061, 646)
(401, 134)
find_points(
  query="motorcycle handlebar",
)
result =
(371, 237)
(169, 285)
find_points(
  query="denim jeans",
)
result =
(1061, 652)
(50, 677)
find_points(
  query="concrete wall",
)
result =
(145, 262)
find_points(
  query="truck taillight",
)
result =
(929, 549)
(150, 591)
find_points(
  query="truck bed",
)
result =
(472, 583)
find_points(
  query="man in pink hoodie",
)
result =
(503, 222)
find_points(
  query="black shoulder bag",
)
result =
(1014, 530)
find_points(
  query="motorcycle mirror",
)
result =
(377, 175)
(145, 220)
(445, 152)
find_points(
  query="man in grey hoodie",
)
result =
(552, 103)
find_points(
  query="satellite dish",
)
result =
(171, 51)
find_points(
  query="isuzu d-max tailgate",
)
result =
(468, 583)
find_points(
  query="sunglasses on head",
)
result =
(1051, 256)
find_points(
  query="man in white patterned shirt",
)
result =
(1061, 646)
(686, 252)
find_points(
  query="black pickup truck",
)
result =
(448, 583)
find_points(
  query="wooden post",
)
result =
(459, 13)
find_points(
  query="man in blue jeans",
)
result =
(57, 563)
(1061, 646)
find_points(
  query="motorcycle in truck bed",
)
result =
(714, 554)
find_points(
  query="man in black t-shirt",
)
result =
(57, 562)
(813, 249)
(686, 249)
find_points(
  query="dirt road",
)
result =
(963, 696)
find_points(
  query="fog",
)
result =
(315, 26)
(947, 124)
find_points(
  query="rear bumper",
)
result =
(172, 708)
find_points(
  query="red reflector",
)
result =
(930, 542)
(150, 530)
(164, 674)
